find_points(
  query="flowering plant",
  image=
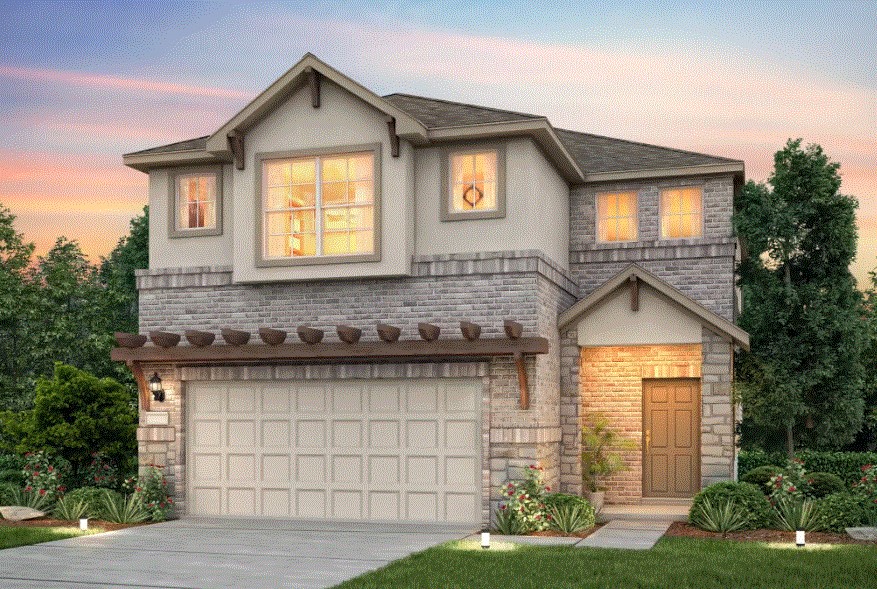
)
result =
(43, 477)
(792, 483)
(867, 485)
(150, 491)
(100, 472)
(526, 500)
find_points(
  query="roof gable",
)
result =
(715, 323)
(297, 76)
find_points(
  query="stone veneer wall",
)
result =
(609, 380)
(483, 288)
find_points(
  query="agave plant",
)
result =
(722, 517)
(70, 509)
(508, 523)
(798, 514)
(123, 510)
(30, 499)
(572, 517)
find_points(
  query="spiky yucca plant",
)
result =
(722, 517)
(70, 509)
(796, 514)
(123, 510)
(572, 518)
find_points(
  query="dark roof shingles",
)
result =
(593, 153)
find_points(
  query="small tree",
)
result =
(600, 452)
(76, 414)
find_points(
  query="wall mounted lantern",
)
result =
(155, 387)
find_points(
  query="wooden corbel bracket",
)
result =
(236, 144)
(522, 380)
(394, 139)
(142, 385)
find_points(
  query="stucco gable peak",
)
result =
(708, 319)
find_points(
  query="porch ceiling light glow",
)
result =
(155, 387)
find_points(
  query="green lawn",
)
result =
(674, 563)
(10, 537)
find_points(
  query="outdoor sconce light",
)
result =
(800, 539)
(155, 387)
(485, 539)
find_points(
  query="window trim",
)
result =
(597, 219)
(661, 190)
(445, 211)
(264, 262)
(174, 175)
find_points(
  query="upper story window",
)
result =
(319, 207)
(473, 184)
(681, 212)
(197, 203)
(617, 216)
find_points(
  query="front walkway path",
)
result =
(633, 535)
(219, 553)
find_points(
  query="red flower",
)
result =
(51, 469)
(548, 517)
(538, 517)
(171, 501)
(866, 467)
(520, 497)
(28, 489)
(502, 507)
(42, 492)
(533, 466)
(547, 488)
(792, 489)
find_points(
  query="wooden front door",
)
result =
(671, 437)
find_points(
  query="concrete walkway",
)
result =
(219, 553)
(632, 535)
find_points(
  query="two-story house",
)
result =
(322, 204)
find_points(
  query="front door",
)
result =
(671, 437)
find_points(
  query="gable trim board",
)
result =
(708, 319)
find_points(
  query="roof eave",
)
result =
(147, 162)
(406, 126)
(710, 320)
(539, 129)
(737, 168)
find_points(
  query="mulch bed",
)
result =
(558, 534)
(685, 530)
(47, 522)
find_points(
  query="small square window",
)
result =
(681, 212)
(196, 203)
(617, 218)
(473, 184)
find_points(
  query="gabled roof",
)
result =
(579, 157)
(715, 323)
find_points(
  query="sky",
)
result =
(81, 83)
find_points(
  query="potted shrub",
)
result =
(601, 447)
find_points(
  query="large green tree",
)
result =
(802, 381)
(17, 297)
(117, 274)
(867, 439)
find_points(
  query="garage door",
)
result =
(369, 450)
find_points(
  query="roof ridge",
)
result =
(490, 108)
(664, 147)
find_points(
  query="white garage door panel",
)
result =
(379, 450)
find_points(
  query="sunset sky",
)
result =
(81, 83)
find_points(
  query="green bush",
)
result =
(760, 476)
(563, 499)
(723, 517)
(823, 484)
(846, 465)
(7, 490)
(507, 522)
(120, 509)
(746, 496)
(93, 498)
(845, 510)
(570, 518)
(11, 469)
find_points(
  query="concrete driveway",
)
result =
(219, 553)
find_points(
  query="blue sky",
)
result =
(83, 82)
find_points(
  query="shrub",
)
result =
(760, 476)
(76, 414)
(507, 522)
(824, 483)
(11, 466)
(791, 483)
(68, 509)
(30, 499)
(570, 518)
(866, 486)
(93, 498)
(43, 476)
(120, 509)
(563, 499)
(846, 465)
(745, 495)
(6, 492)
(845, 510)
(798, 514)
(100, 472)
(526, 500)
(723, 516)
(150, 489)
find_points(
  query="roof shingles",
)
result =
(593, 153)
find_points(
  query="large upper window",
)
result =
(681, 212)
(197, 203)
(617, 216)
(473, 184)
(319, 206)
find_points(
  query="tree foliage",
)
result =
(867, 439)
(76, 414)
(803, 378)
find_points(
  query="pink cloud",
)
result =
(116, 82)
